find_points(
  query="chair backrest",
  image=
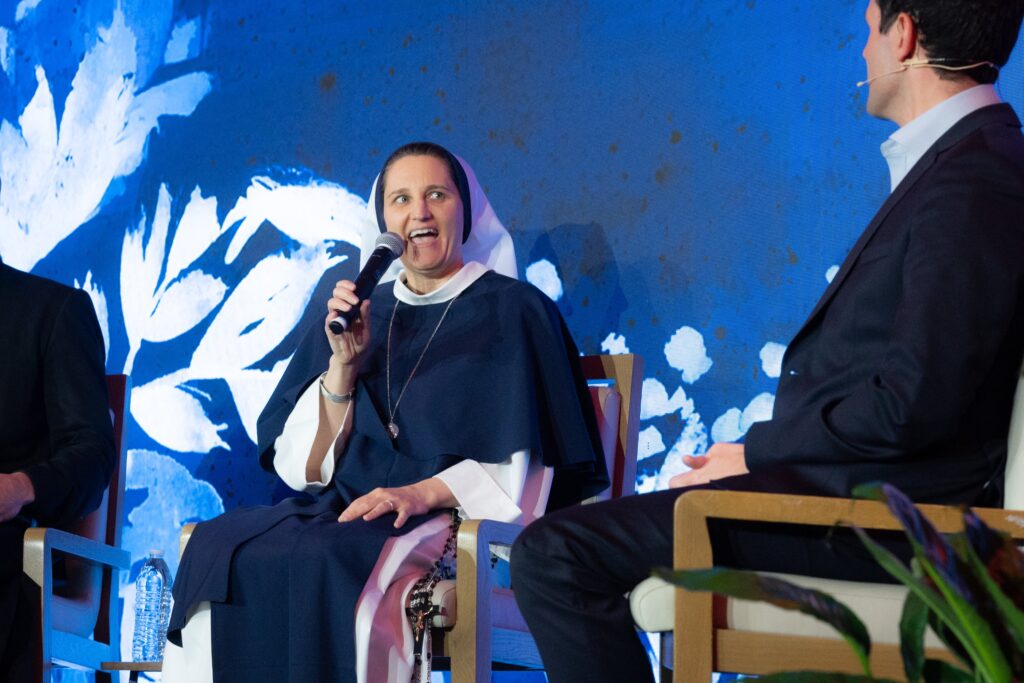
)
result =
(1014, 482)
(607, 402)
(104, 523)
(88, 584)
(624, 372)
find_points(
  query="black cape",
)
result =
(501, 375)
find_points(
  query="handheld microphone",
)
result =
(933, 63)
(389, 246)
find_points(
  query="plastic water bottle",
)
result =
(152, 609)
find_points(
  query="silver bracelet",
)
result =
(332, 397)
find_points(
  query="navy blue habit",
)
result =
(501, 375)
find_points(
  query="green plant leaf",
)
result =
(938, 671)
(1000, 555)
(1011, 618)
(986, 654)
(913, 622)
(942, 567)
(1008, 610)
(928, 595)
(924, 537)
(747, 585)
(958, 615)
(948, 639)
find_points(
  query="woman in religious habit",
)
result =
(458, 387)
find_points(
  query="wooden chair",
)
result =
(764, 644)
(79, 623)
(716, 634)
(485, 622)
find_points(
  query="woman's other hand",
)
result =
(404, 502)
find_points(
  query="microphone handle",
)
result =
(380, 260)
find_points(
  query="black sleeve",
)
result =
(962, 284)
(310, 359)
(70, 482)
(570, 441)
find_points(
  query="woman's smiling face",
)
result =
(423, 207)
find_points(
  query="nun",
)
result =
(457, 393)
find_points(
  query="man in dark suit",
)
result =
(904, 371)
(56, 438)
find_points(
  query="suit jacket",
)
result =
(905, 370)
(54, 420)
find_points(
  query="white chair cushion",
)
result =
(504, 612)
(444, 598)
(879, 606)
(652, 603)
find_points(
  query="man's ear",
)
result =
(903, 37)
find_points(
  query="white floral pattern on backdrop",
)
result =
(54, 178)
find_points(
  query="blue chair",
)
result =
(79, 620)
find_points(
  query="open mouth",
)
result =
(422, 235)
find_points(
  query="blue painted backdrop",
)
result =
(680, 177)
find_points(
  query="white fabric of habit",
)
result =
(515, 490)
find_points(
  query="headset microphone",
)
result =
(933, 63)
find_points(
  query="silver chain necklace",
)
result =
(392, 427)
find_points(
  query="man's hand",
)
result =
(404, 501)
(16, 492)
(722, 460)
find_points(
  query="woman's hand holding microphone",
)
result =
(346, 348)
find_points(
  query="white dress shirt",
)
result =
(905, 147)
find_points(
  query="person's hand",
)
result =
(347, 348)
(16, 491)
(722, 460)
(404, 502)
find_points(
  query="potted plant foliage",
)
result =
(968, 586)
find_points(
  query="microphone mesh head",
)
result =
(392, 242)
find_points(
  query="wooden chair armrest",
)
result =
(471, 636)
(693, 509)
(479, 534)
(40, 542)
(473, 583)
(186, 533)
(693, 544)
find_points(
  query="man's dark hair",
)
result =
(961, 32)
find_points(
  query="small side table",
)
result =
(133, 667)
